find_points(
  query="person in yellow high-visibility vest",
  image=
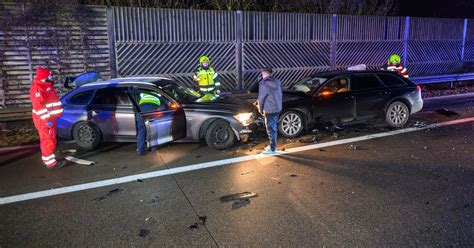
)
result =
(208, 80)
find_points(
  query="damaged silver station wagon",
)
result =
(105, 112)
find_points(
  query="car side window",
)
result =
(150, 100)
(334, 86)
(365, 82)
(112, 96)
(391, 80)
(81, 98)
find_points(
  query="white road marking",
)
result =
(159, 173)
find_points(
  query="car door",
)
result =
(112, 111)
(165, 119)
(334, 102)
(370, 95)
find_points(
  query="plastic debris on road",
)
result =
(79, 161)
(68, 151)
(353, 148)
(238, 196)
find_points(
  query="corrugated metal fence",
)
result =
(123, 41)
(169, 43)
(70, 42)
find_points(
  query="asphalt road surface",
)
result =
(412, 188)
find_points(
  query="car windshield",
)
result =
(181, 93)
(308, 84)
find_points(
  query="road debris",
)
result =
(203, 219)
(446, 112)
(315, 131)
(140, 180)
(198, 156)
(194, 226)
(114, 191)
(419, 124)
(322, 150)
(414, 157)
(293, 175)
(240, 203)
(68, 151)
(79, 161)
(245, 173)
(313, 139)
(353, 148)
(335, 135)
(143, 232)
(153, 200)
(197, 224)
(238, 196)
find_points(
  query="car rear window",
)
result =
(81, 98)
(112, 96)
(391, 80)
(365, 82)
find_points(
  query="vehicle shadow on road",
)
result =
(18, 155)
(108, 147)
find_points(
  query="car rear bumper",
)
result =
(417, 106)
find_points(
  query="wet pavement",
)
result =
(412, 189)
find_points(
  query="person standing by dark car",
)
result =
(270, 105)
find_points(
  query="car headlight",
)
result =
(244, 118)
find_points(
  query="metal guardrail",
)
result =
(443, 78)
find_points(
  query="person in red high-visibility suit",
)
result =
(46, 109)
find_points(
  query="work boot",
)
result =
(58, 165)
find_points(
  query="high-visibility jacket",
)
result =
(207, 79)
(147, 98)
(45, 102)
(396, 68)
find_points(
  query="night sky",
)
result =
(437, 8)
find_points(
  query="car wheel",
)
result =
(290, 124)
(86, 135)
(397, 114)
(220, 135)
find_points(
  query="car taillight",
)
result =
(418, 88)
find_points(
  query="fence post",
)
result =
(111, 37)
(405, 40)
(333, 41)
(464, 33)
(238, 48)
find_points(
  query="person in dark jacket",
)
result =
(269, 105)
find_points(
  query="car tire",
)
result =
(220, 135)
(87, 136)
(290, 124)
(397, 114)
